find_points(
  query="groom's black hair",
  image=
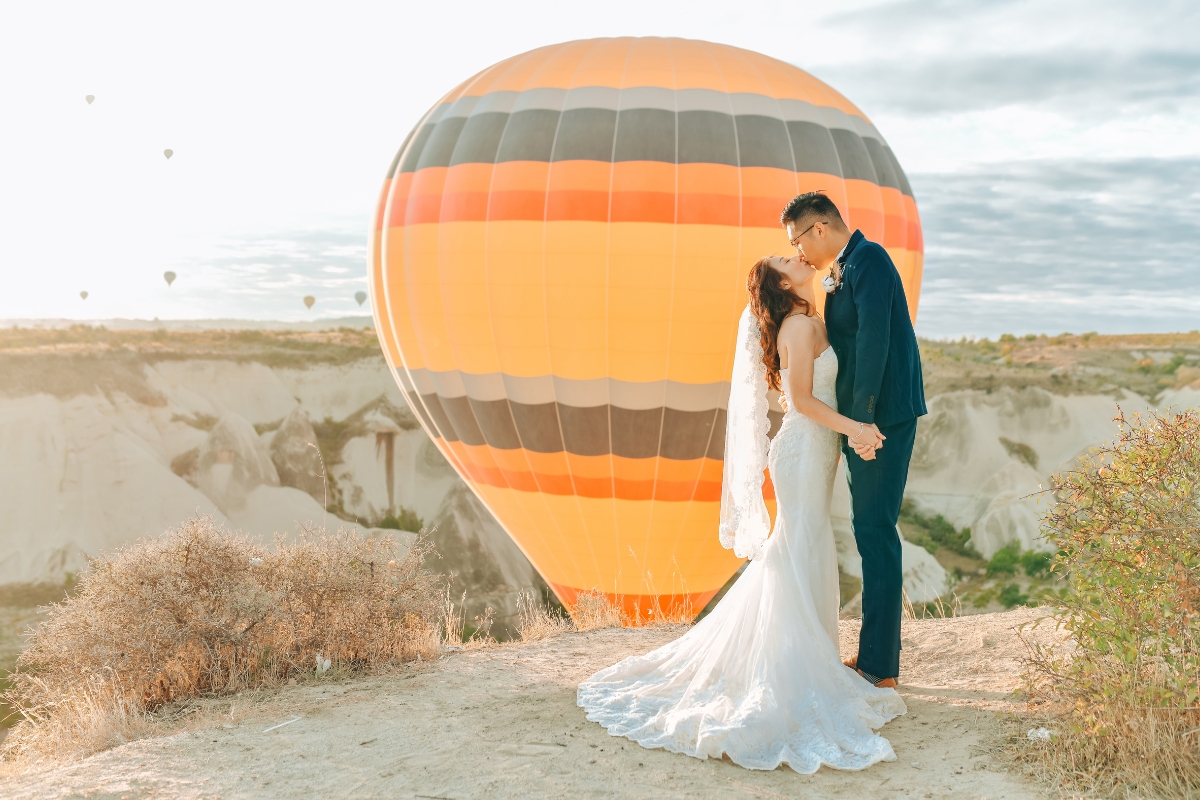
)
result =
(809, 204)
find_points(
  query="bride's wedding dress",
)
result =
(760, 679)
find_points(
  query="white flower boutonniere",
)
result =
(830, 283)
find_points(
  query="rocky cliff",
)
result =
(109, 436)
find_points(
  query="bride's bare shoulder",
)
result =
(799, 325)
(804, 334)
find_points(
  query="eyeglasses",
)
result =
(796, 241)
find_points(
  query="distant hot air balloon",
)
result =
(168, 153)
(90, 98)
(169, 277)
(558, 265)
(83, 295)
(309, 300)
(361, 297)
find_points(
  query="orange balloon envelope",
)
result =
(309, 300)
(558, 264)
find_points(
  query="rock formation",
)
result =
(484, 560)
(232, 463)
(115, 454)
(296, 457)
(982, 458)
(85, 474)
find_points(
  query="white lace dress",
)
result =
(760, 679)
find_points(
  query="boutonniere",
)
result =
(830, 283)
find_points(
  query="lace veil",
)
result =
(745, 523)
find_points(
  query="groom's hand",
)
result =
(783, 403)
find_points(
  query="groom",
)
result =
(879, 385)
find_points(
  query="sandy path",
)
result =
(502, 722)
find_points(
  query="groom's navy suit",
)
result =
(879, 380)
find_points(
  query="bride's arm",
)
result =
(798, 341)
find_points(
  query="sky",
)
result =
(1053, 146)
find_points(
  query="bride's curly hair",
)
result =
(771, 304)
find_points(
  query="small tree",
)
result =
(1127, 683)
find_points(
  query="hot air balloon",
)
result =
(169, 277)
(83, 295)
(558, 265)
(361, 297)
(309, 300)
(168, 153)
(90, 98)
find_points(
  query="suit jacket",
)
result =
(879, 367)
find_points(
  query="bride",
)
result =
(759, 679)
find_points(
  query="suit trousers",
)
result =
(876, 492)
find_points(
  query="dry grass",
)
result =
(536, 622)
(201, 611)
(1144, 752)
(454, 624)
(593, 611)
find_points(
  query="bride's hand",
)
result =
(868, 437)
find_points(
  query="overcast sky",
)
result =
(1053, 146)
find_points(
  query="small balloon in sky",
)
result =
(169, 277)
(168, 153)
(83, 295)
(309, 300)
(361, 297)
(90, 98)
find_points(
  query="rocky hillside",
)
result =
(114, 434)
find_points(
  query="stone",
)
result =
(232, 463)
(295, 456)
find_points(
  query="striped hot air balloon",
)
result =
(558, 265)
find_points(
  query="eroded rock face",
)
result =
(296, 459)
(487, 565)
(982, 459)
(233, 462)
(79, 479)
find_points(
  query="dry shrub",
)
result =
(203, 611)
(1123, 694)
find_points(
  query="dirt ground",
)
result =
(502, 722)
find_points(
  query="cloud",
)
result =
(1045, 246)
(1081, 83)
(267, 276)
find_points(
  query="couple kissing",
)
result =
(760, 679)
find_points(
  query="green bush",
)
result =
(1011, 596)
(922, 539)
(1005, 561)
(1036, 563)
(1126, 686)
(934, 532)
(403, 520)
